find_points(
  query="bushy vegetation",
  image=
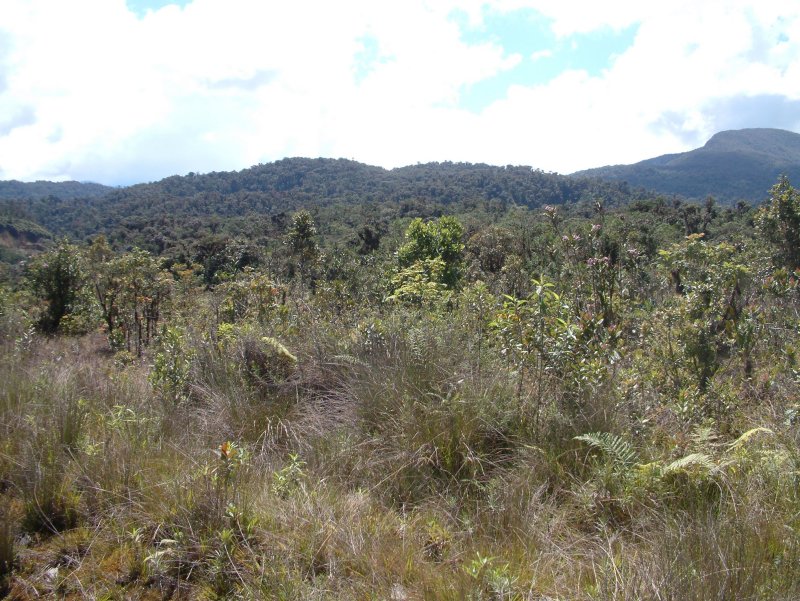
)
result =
(546, 403)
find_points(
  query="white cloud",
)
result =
(88, 90)
(582, 16)
(685, 59)
(105, 81)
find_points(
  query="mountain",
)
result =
(21, 233)
(733, 165)
(16, 190)
(255, 203)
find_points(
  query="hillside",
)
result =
(733, 165)
(255, 201)
(16, 190)
(20, 237)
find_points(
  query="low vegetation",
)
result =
(545, 403)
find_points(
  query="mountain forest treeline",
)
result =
(164, 216)
(486, 383)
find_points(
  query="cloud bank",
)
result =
(91, 90)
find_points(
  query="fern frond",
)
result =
(704, 436)
(615, 447)
(693, 460)
(748, 435)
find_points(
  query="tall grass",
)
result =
(396, 458)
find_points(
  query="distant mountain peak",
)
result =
(778, 143)
(750, 134)
(733, 165)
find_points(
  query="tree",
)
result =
(779, 221)
(302, 233)
(489, 249)
(104, 284)
(370, 237)
(57, 277)
(420, 283)
(302, 243)
(530, 330)
(440, 239)
(712, 282)
(130, 290)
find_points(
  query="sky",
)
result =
(127, 91)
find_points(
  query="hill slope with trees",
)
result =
(733, 165)
(16, 190)
(256, 202)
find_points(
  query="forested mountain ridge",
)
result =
(17, 190)
(179, 207)
(733, 165)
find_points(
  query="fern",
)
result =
(693, 460)
(619, 450)
(748, 435)
(704, 436)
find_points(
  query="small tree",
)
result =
(529, 331)
(57, 277)
(130, 290)
(105, 285)
(712, 282)
(420, 283)
(779, 221)
(440, 239)
(302, 243)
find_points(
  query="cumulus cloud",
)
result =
(690, 66)
(540, 54)
(91, 90)
(16, 117)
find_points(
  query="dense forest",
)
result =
(160, 215)
(16, 190)
(322, 380)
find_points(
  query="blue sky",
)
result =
(543, 55)
(140, 7)
(123, 91)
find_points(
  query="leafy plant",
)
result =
(172, 364)
(290, 477)
(491, 578)
(779, 221)
(529, 330)
(712, 281)
(420, 283)
(434, 243)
